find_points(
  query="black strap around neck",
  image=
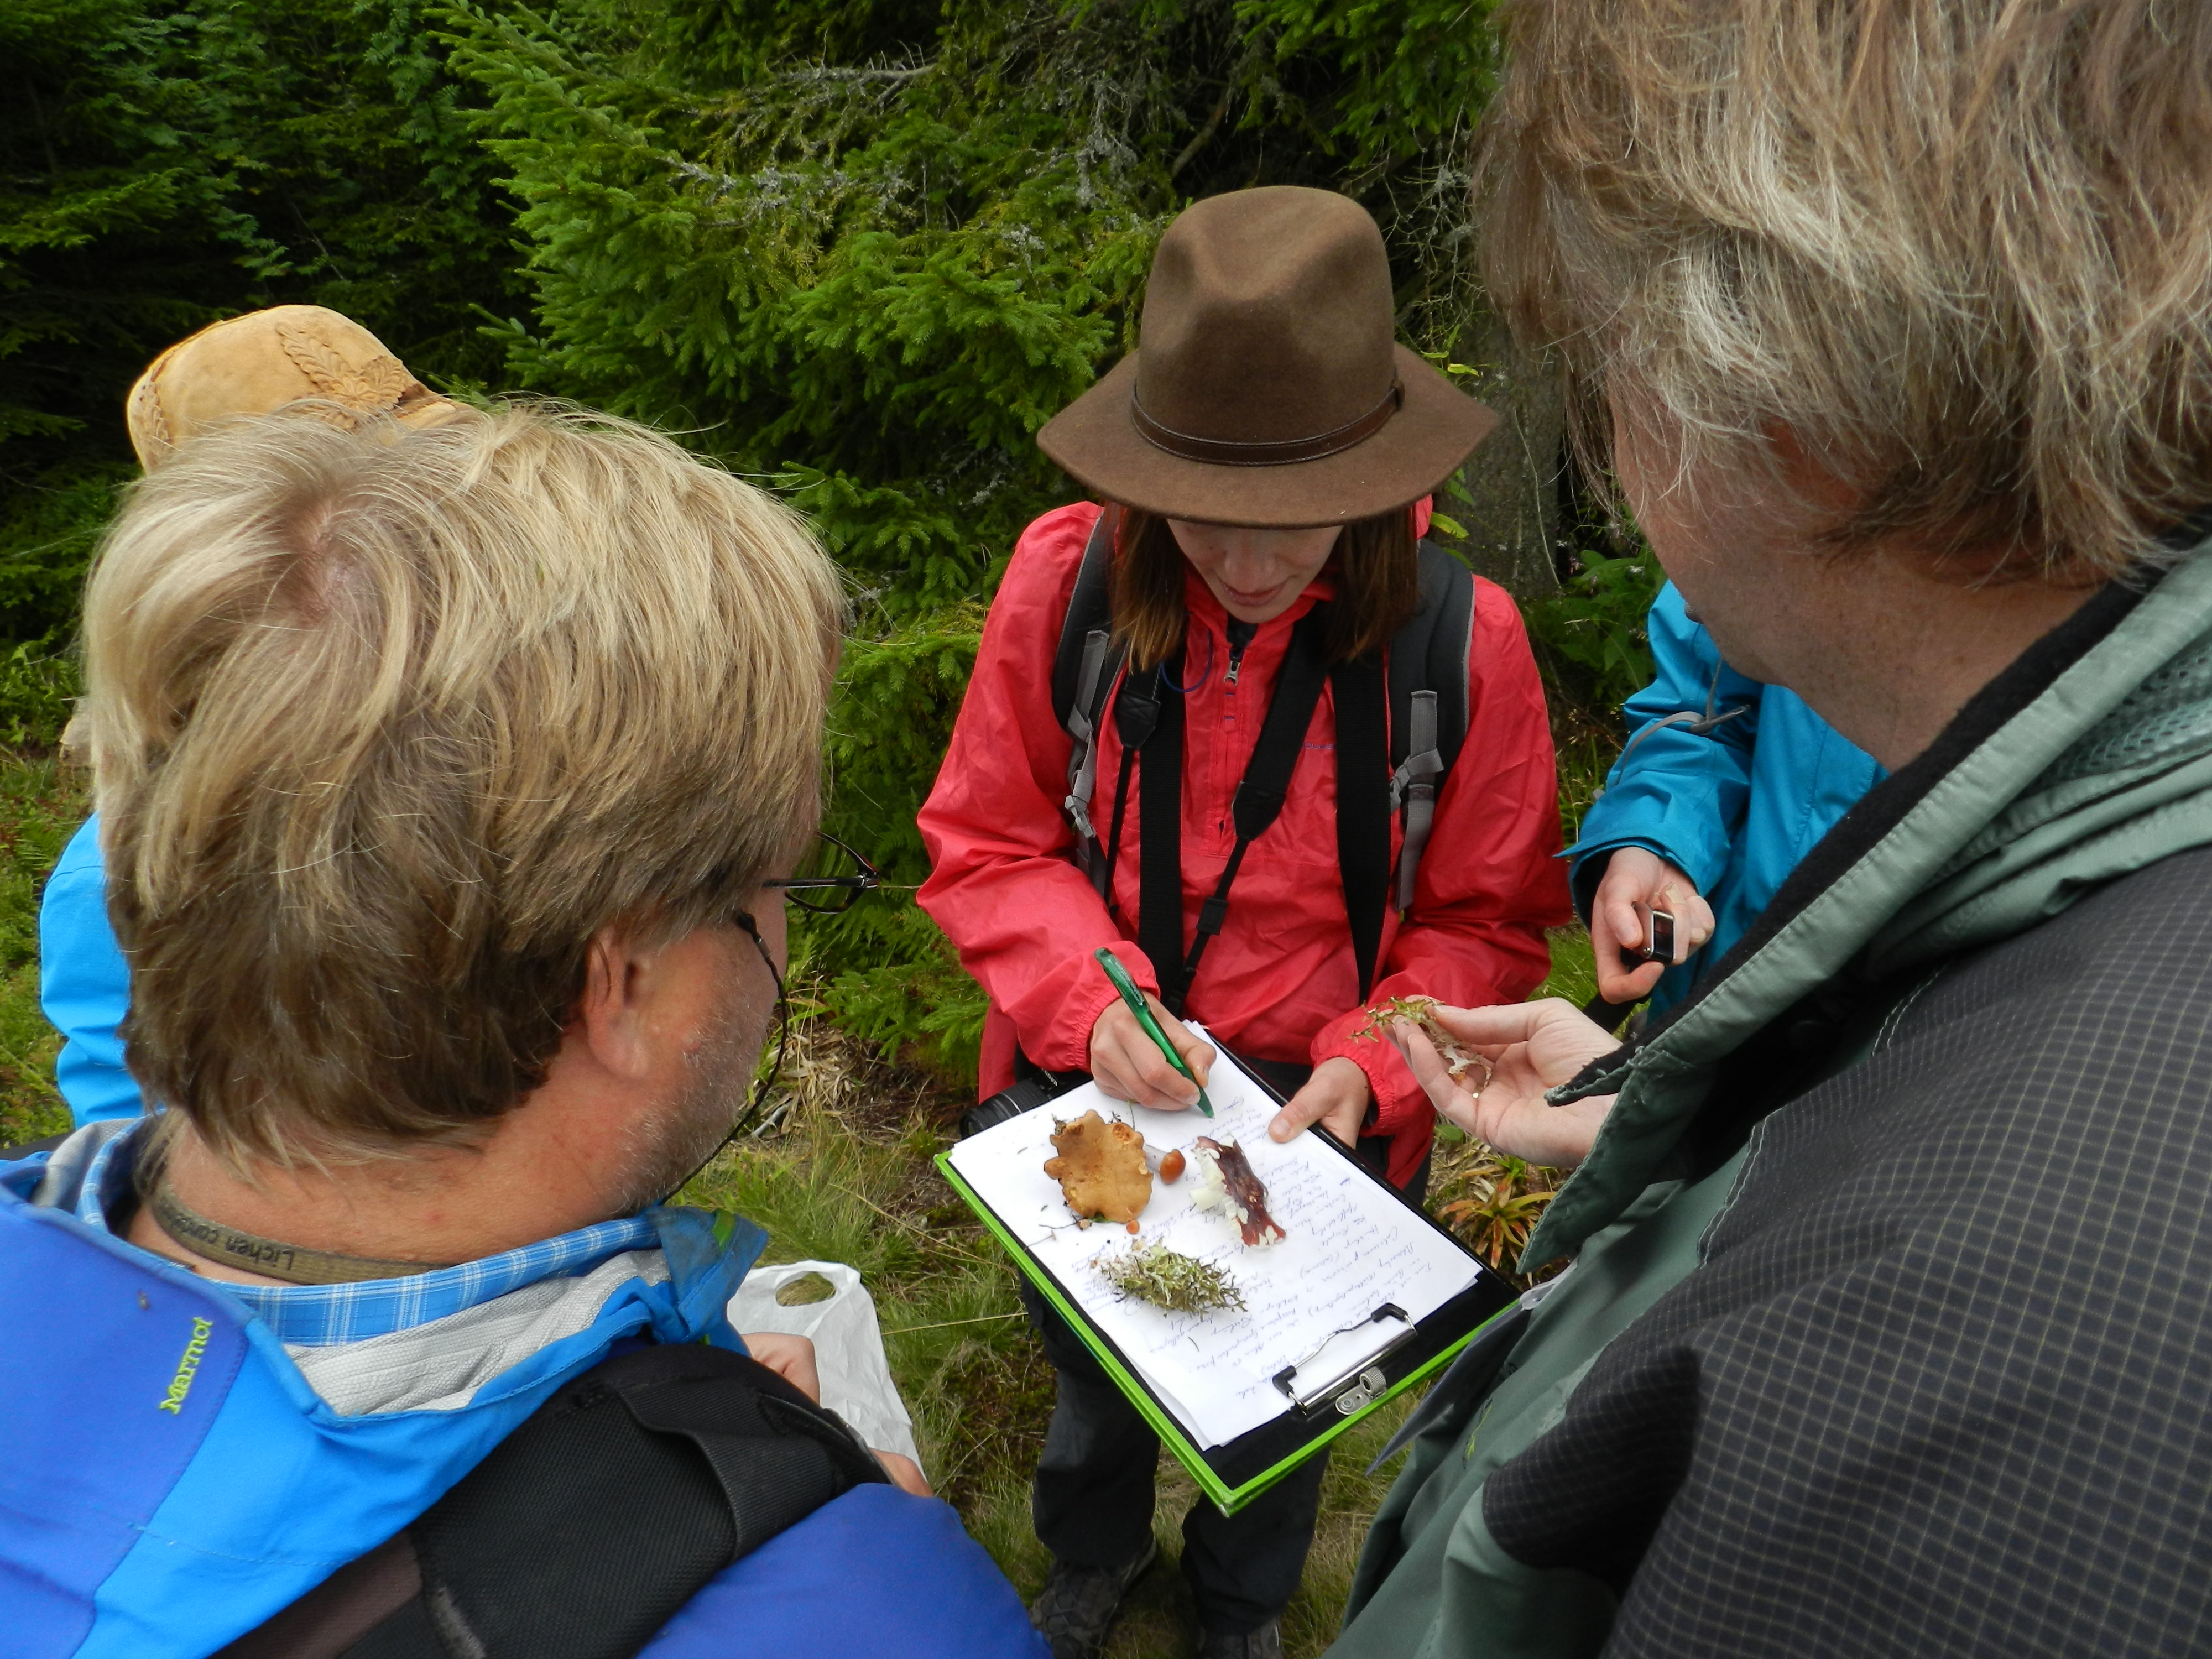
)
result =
(1259, 801)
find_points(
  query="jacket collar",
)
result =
(2089, 757)
(707, 1256)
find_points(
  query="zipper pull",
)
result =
(1240, 636)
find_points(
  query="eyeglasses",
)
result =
(830, 878)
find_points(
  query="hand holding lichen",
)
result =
(1525, 1048)
(1420, 1013)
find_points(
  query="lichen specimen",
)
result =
(1225, 1180)
(1169, 1279)
(1422, 1012)
(1101, 1170)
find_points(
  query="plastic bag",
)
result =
(848, 1346)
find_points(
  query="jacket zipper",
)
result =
(1240, 636)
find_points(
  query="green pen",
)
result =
(1135, 998)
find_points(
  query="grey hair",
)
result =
(1960, 249)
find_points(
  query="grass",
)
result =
(42, 801)
(847, 1176)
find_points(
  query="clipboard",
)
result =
(1361, 1368)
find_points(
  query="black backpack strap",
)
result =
(1257, 803)
(587, 1529)
(1084, 669)
(1429, 701)
(1363, 807)
(1136, 712)
(1159, 837)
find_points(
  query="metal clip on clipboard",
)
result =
(1350, 1382)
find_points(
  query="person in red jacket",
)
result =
(1268, 451)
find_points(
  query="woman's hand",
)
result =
(1531, 1046)
(1636, 882)
(1130, 1066)
(1335, 1096)
(790, 1358)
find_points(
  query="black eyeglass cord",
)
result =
(759, 1098)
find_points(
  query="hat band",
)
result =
(1216, 452)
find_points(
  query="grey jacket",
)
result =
(1891, 1326)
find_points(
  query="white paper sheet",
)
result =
(1350, 1247)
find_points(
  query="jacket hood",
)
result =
(2089, 758)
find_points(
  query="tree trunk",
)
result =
(1511, 507)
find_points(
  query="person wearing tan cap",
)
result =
(270, 360)
(1241, 728)
(325, 366)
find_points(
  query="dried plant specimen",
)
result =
(1421, 1011)
(1101, 1170)
(1225, 1180)
(1169, 1279)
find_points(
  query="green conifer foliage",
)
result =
(863, 250)
(166, 162)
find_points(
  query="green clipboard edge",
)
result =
(1226, 1499)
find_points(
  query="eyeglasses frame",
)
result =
(866, 880)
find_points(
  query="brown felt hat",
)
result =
(264, 360)
(1267, 388)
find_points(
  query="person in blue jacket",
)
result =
(84, 984)
(445, 779)
(1724, 784)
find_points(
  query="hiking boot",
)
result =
(1077, 1606)
(1265, 1643)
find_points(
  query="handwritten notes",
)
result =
(1351, 1247)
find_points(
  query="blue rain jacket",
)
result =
(84, 984)
(1735, 808)
(171, 1479)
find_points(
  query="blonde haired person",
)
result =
(445, 777)
(305, 358)
(1886, 1332)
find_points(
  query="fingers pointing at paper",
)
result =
(1335, 1096)
(1531, 1046)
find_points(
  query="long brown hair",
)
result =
(1378, 584)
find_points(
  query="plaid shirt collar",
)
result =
(317, 1316)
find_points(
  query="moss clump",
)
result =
(1169, 1279)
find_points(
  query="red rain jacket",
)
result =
(1279, 981)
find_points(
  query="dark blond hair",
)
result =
(1376, 568)
(1960, 249)
(387, 724)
